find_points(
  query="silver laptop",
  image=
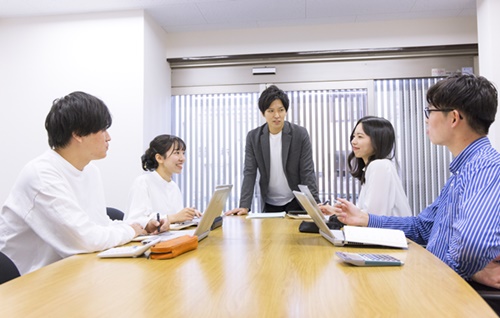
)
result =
(197, 220)
(357, 235)
(305, 189)
(336, 237)
(214, 209)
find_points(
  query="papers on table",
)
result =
(299, 216)
(266, 215)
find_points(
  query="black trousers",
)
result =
(293, 205)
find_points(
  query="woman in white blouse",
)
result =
(156, 192)
(373, 147)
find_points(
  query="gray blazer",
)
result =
(297, 161)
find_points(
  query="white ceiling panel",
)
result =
(199, 15)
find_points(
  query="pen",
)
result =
(158, 219)
(326, 202)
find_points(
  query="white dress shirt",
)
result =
(383, 193)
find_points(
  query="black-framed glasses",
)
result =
(427, 111)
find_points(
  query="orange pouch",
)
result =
(173, 248)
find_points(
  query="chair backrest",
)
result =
(115, 214)
(490, 295)
(8, 269)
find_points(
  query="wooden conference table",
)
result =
(249, 268)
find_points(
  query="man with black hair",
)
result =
(282, 154)
(56, 208)
(462, 226)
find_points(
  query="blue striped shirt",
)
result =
(462, 226)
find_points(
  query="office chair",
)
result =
(114, 214)
(8, 269)
(489, 294)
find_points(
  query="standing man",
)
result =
(56, 208)
(281, 152)
(462, 226)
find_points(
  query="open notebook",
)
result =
(351, 235)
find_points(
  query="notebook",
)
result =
(128, 251)
(351, 235)
(214, 209)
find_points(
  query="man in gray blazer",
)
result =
(281, 152)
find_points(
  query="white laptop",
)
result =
(351, 235)
(214, 209)
(195, 221)
(305, 190)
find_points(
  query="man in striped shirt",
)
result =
(462, 226)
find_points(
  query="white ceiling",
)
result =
(199, 15)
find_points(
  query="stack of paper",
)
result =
(266, 215)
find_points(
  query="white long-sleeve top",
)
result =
(383, 193)
(55, 210)
(151, 194)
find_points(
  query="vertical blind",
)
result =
(423, 166)
(214, 127)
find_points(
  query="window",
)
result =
(214, 127)
(423, 166)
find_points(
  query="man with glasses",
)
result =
(462, 226)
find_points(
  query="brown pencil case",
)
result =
(173, 248)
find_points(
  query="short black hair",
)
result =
(271, 94)
(77, 113)
(160, 144)
(383, 140)
(474, 97)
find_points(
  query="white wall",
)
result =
(157, 84)
(489, 46)
(101, 54)
(324, 37)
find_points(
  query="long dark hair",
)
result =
(160, 145)
(383, 141)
